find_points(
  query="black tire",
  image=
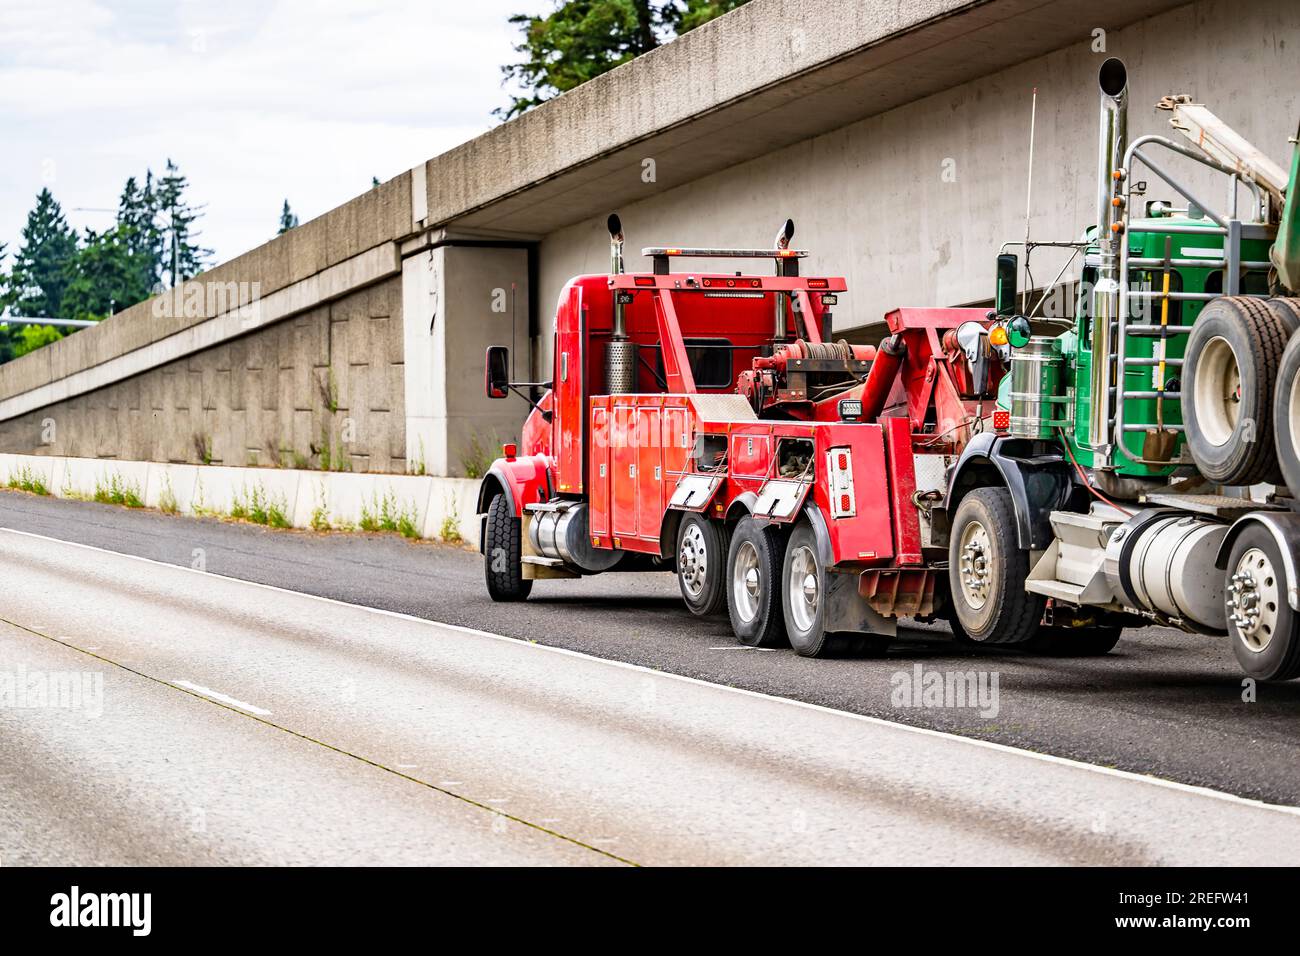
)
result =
(1074, 641)
(753, 584)
(1287, 309)
(702, 564)
(804, 606)
(996, 608)
(502, 553)
(1269, 647)
(1286, 415)
(1235, 348)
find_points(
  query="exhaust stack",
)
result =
(779, 332)
(1112, 140)
(620, 353)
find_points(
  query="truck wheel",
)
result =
(754, 588)
(1074, 641)
(1260, 621)
(1286, 415)
(803, 599)
(987, 571)
(1232, 360)
(701, 564)
(502, 551)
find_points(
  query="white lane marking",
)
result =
(741, 647)
(222, 698)
(651, 672)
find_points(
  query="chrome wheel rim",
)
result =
(692, 562)
(1253, 599)
(1217, 391)
(746, 582)
(973, 564)
(803, 591)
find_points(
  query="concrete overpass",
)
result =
(894, 134)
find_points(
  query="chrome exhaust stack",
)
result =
(620, 353)
(1112, 139)
(782, 242)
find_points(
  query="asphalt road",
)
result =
(1163, 703)
(221, 722)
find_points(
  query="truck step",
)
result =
(1060, 590)
(1217, 506)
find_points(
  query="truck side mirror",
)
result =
(496, 376)
(1008, 270)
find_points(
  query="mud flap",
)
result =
(848, 611)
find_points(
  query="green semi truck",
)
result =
(1153, 450)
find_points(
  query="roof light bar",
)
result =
(701, 253)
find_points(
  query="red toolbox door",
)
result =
(622, 472)
(650, 483)
(598, 480)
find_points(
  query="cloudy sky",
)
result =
(256, 100)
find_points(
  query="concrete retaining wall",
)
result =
(437, 508)
(322, 387)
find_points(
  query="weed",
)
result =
(384, 514)
(203, 447)
(329, 390)
(260, 507)
(474, 460)
(167, 502)
(450, 530)
(320, 515)
(118, 491)
(25, 479)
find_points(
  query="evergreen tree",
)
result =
(287, 219)
(182, 257)
(6, 331)
(582, 39)
(137, 221)
(40, 271)
(105, 276)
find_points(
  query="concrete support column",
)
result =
(456, 301)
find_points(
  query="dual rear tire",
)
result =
(773, 585)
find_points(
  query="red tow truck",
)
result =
(706, 423)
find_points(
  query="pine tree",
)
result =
(40, 271)
(287, 219)
(137, 219)
(105, 276)
(182, 257)
(6, 331)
